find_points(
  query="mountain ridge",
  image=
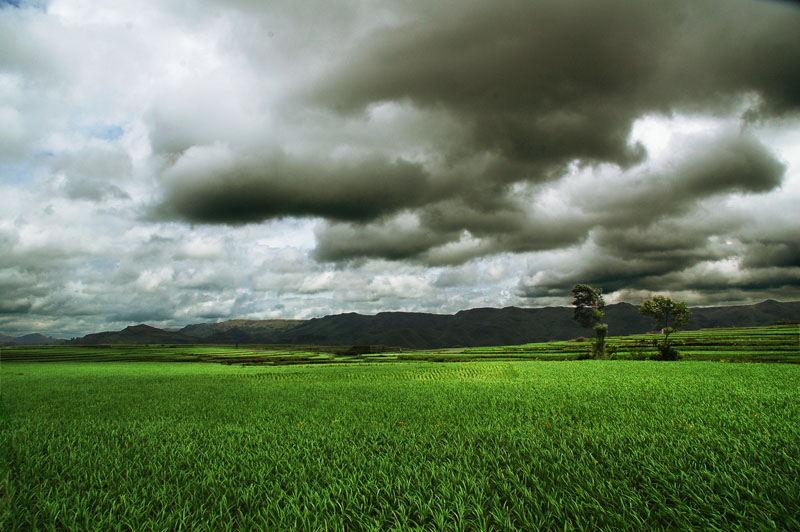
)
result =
(29, 339)
(483, 326)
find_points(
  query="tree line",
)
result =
(669, 316)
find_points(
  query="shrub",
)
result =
(666, 352)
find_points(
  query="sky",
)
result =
(183, 161)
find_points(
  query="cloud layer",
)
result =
(171, 162)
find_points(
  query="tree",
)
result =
(670, 316)
(589, 312)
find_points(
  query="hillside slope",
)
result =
(469, 328)
(135, 334)
(29, 339)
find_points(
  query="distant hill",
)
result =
(510, 325)
(135, 334)
(475, 327)
(248, 328)
(29, 339)
(764, 313)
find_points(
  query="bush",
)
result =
(666, 352)
(611, 352)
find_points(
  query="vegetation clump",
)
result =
(669, 316)
(589, 305)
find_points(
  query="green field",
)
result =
(381, 442)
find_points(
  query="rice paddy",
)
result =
(369, 442)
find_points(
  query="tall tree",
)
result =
(589, 305)
(669, 316)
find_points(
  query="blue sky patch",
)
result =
(107, 131)
(14, 173)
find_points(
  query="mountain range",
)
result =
(475, 327)
(29, 339)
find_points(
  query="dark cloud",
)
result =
(541, 84)
(692, 236)
(223, 187)
(548, 82)
(455, 215)
(712, 166)
(391, 240)
(622, 209)
(753, 280)
(766, 253)
(508, 230)
(609, 272)
(549, 87)
(731, 163)
(448, 232)
(534, 88)
(696, 256)
(20, 289)
(15, 306)
(562, 81)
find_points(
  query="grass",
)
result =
(776, 343)
(400, 445)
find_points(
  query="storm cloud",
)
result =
(554, 81)
(529, 89)
(707, 167)
(214, 184)
(175, 162)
